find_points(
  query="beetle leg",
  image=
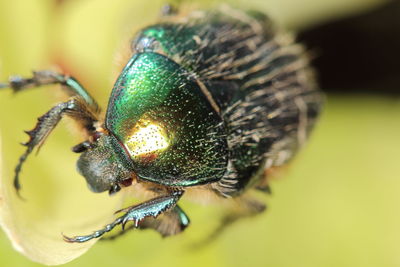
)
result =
(46, 77)
(169, 223)
(247, 207)
(137, 213)
(264, 188)
(75, 107)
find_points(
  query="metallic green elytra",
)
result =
(168, 127)
(212, 101)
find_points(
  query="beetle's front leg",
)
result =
(170, 223)
(76, 108)
(47, 77)
(150, 208)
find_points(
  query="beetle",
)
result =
(212, 100)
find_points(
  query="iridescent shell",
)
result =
(166, 124)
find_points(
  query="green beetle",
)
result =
(212, 100)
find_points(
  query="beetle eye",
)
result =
(96, 135)
(126, 182)
(114, 189)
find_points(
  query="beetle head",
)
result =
(102, 166)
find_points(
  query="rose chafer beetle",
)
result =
(209, 101)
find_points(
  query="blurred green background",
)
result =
(337, 206)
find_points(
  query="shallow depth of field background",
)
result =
(338, 205)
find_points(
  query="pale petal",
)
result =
(34, 226)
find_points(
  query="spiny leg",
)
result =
(248, 207)
(46, 77)
(169, 223)
(75, 107)
(82, 107)
(137, 213)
